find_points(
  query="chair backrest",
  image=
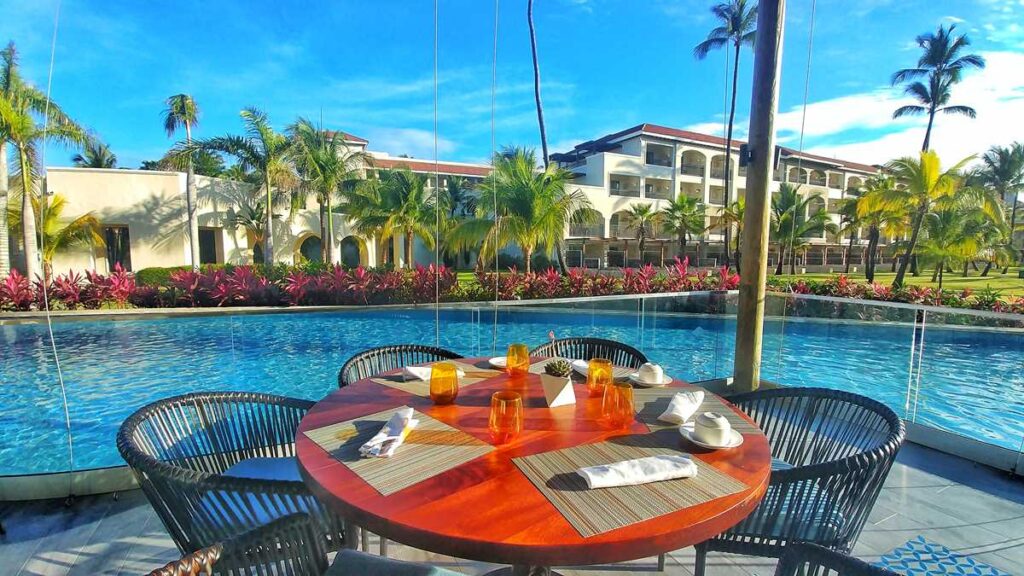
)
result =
(288, 546)
(586, 348)
(386, 358)
(840, 447)
(812, 560)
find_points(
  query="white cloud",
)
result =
(412, 141)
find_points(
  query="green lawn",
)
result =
(1009, 284)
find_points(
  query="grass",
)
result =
(1008, 284)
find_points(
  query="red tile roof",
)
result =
(426, 166)
(719, 141)
(347, 136)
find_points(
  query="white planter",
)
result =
(558, 390)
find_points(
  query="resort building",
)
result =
(651, 164)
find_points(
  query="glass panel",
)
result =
(970, 379)
(691, 335)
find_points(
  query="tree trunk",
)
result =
(928, 132)
(5, 253)
(782, 257)
(849, 253)
(728, 147)
(872, 255)
(330, 231)
(268, 240)
(28, 218)
(988, 266)
(191, 206)
(1013, 225)
(918, 220)
(938, 269)
(323, 233)
(527, 256)
(792, 261)
(536, 83)
(942, 272)
(966, 264)
(408, 250)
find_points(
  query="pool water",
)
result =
(971, 383)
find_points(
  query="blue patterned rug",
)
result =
(919, 557)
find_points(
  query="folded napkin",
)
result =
(391, 436)
(639, 471)
(423, 372)
(682, 406)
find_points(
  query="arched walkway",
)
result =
(310, 249)
(352, 252)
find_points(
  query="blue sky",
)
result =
(367, 67)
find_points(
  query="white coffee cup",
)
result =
(651, 373)
(712, 428)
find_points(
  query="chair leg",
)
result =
(383, 547)
(351, 536)
(661, 562)
(366, 540)
(700, 559)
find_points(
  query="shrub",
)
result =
(16, 292)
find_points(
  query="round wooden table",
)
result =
(487, 509)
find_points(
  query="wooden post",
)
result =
(763, 106)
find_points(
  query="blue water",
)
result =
(113, 367)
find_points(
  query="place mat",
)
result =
(593, 512)
(431, 448)
(650, 403)
(474, 375)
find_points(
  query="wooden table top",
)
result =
(487, 509)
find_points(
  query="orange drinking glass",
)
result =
(506, 421)
(599, 375)
(444, 383)
(518, 359)
(617, 405)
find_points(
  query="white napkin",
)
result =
(682, 406)
(423, 373)
(639, 471)
(391, 436)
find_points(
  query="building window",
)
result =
(209, 246)
(119, 249)
(658, 155)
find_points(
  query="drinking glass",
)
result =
(617, 405)
(506, 421)
(599, 375)
(518, 360)
(444, 383)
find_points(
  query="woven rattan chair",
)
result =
(831, 453)
(217, 465)
(813, 560)
(586, 348)
(288, 546)
(386, 358)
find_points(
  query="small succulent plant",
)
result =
(558, 368)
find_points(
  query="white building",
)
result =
(650, 164)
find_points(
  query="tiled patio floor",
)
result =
(968, 508)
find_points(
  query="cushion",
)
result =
(822, 524)
(780, 464)
(266, 469)
(353, 563)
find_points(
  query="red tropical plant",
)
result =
(16, 292)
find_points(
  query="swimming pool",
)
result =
(112, 367)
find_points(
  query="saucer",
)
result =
(580, 366)
(635, 379)
(498, 361)
(735, 438)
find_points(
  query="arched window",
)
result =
(692, 163)
(349, 251)
(311, 250)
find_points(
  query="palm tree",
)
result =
(878, 216)
(849, 223)
(21, 105)
(362, 205)
(793, 223)
(250, 214)
(684, 217)
(532, 210)
(737, 20)
(263, 151)
(927, 188)
(940, 66)
(182, 111)
(407, 208)
(958, 232)
(536, 82)
(732, 216)
(326, 166)
(58, 234)
(642, 218)
(95, 154)
(1003, 171)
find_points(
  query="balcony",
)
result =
(586, 230)
(624, 185)
(692, 169)
(718, 173)
(657, 189)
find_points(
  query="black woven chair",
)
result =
(288, 546)
(586, 348)
(386, 358)
(831, 453)
(813, 560)
(217, 465)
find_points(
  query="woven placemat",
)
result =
(652, 402)
(431, 448)
(474, 375)
(593, 512)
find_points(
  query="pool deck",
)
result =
(967, 507)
